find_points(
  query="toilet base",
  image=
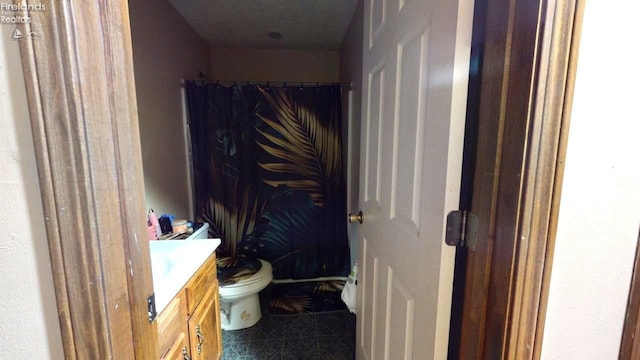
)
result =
(241, 313)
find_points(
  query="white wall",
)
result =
(29, 327)
(274, 65)
(600, 207)
(165, 51)
(351, 72)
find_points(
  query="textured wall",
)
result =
(165, 51)
(600, 206)
(274, 65)
(29, 327)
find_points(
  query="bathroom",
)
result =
(28, 266)
(167, 50)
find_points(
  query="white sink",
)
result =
(164, 256)
(173, 262)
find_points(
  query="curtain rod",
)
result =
(274, 83)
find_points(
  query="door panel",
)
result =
(378, 18)
(412, 136)
(408, 130)
(401, 325)
(369, 306)
(373, 137)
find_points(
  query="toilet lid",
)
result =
(234, 269)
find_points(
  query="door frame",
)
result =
(81, 94)
(524, 106)
(79, 79)
(630, 343)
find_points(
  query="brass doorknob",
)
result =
(356, 218)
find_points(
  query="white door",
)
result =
(415, 72)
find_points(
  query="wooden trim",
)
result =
(525, 102)
(545, 167)
(490, 134)
(80, 87)
(630, 344)
(497, 179)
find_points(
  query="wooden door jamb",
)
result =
(78, 72)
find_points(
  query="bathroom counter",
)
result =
(173, 263)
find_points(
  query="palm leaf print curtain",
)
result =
(268, 174)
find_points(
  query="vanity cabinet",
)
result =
(189, 326)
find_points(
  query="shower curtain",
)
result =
(268, 174)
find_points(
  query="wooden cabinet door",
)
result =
(204, 327)
(216, 320)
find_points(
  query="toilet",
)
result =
(240, 281)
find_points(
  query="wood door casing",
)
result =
(630, 343)
(525, 101)
(82, 106)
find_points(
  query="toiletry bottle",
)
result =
(153, 219)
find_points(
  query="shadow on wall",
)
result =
(26, 266)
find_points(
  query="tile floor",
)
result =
(321, 336)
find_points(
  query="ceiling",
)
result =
(304, 24)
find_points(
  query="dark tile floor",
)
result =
(321, 336)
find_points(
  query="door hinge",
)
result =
(151, 307)
(462, 229)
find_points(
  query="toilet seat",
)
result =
(253, 284)
(234, 269)
(265, 271)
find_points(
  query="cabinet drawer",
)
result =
(200, 283)
(178, 349)
(172, 324)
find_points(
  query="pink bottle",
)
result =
(152, 232)
(153, 219)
